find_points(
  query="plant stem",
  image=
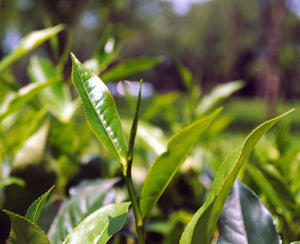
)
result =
(138, 220)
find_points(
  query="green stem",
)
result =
(137, 216)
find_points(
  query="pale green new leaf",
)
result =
(34, 211)
(167, 164)
(130, 67)
(99, 226)
(16, 100)
(25, 232)
(11, 180)
(203, 223)
(28, 43)
(100, 110)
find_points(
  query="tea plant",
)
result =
(90, 215)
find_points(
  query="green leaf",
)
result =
(11, 180)
(130, 67)
(28, 43)
(57, 97)
(34, 211)
(86, 198)
(134, 126)
(217, 95)
(202, 225)
(167, 164)
(100, 110)
(244, 219)
(16, 100)
(25, 232)
(101, 225)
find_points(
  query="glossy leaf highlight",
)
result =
(203, 223)
(167, 164)
(244, 219)
(98, 227)
(100, 110)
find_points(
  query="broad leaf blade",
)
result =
(130, 67)
(28, 43)
(167, 164)
(100, 110)
(86, 199)
(25, 232)
(101, 225)
(244, 219)
(34, 211)
(202, 225)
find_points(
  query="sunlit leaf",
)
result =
(130, 67)
(28, 43)
(34, 211)
(203, 223)
(217, 95)
(85, 199)
(25, 232)
(244, 219)
(100, 110)
(167, 164)
(99, 226)
(57, 97)
(11, 180)
(15, 101)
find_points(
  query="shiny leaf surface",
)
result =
(99, 226)
(167, 164)
(25, 232)
(202, 225)
(100, 110)
(244, 219)
(85, 199)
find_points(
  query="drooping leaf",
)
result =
(34, 211)
(130, 67)
(85, 199)
(25, 232)
(244, 219)
(203, 223)
(28, 43)
(99, 226)
(100, 110)
(167, 164)
(57, 97)
(15, 101)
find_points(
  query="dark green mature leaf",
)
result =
(19, 99)
(99, 226)
(25, 232)
(57, 97)
(100, 110)
(202, 225)
(167, 164)
(34, 211)
(28, 43)
(244, 219)
(86, 199)
(130, 67)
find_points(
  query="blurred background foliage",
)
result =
(193, 52)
